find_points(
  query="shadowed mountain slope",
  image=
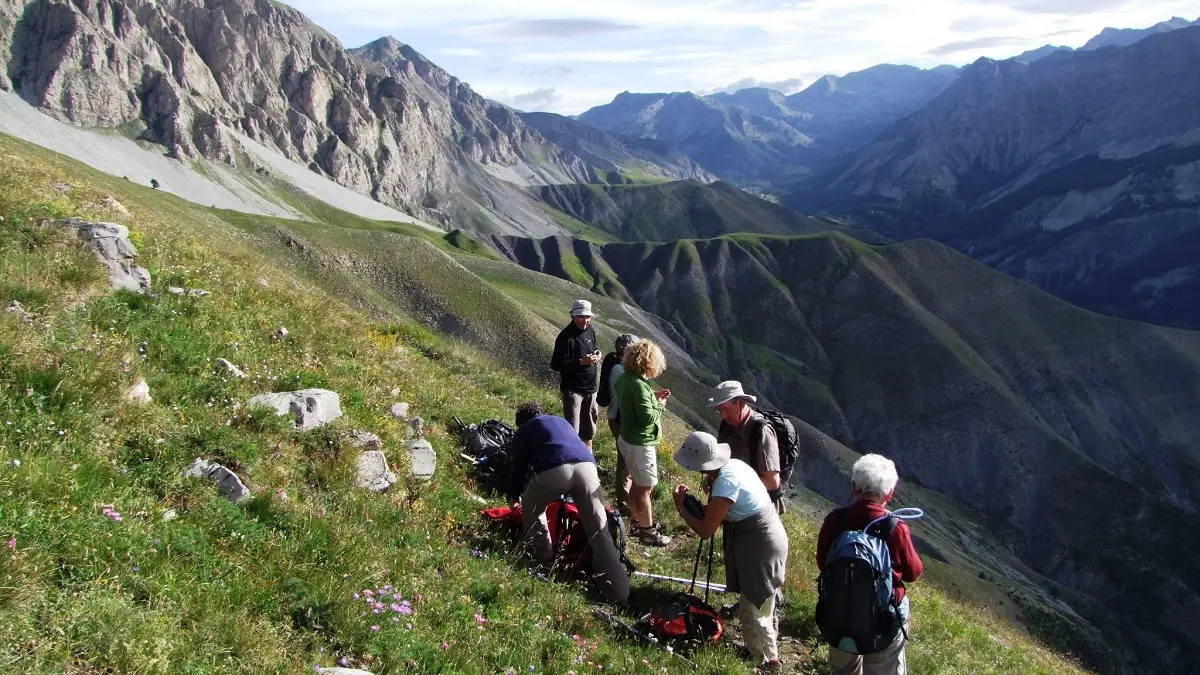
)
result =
(1056, 172)
(1071, 433)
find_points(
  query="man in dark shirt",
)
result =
(575, 358)
(562, 464)
(750, 436)
(874, 481)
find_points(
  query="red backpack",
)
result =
(567, 536)
(687, 617)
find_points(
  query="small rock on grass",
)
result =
(231, 369)
(228, 483)
(399, 410)
(373, 472)
(139, 392)
(424, 460)
(17, 308)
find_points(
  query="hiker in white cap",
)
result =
(754, 542)
(750, 436)
(575, 358)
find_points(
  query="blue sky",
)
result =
(568, 57)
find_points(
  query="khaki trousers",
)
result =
(890, 661)
(581, 481)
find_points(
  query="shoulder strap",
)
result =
(884, 528)
(762, 422)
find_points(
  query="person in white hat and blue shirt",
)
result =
(575, 357)
(755, 544)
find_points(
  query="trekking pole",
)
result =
(696, 569)
(712, 541)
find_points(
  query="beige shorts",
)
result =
(641, 461)
(581, 411)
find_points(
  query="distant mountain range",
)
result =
(761, 136)
(1111, 37)
(1060, 172)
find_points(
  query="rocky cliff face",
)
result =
(1071, 433)
(1060, 172)
(381, 119)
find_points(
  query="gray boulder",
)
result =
(373, 472)
(111, 244)
(228, 483)
(312, 408)
(424, 459)
(399, 411)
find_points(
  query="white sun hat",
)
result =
(701, 452)
(581, 308)
(727, 391)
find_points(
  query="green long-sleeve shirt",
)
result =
(641, 412)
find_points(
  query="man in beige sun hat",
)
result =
(575, 357)
(750, 436)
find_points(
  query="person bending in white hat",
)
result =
(755, 544)
(575, 358)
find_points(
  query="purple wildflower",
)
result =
(408, 626)
(374, 629)
(406, 608)
(12, 543)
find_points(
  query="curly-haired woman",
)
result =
(641, 432)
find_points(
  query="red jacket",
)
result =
(906, 564)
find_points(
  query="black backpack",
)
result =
(789, 441)
(603, 394)
(486, 444)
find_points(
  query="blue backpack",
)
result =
(855, 611)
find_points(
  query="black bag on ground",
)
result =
(487, 445)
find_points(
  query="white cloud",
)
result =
(460, 51)
(585, 53)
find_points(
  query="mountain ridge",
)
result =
(1050, 197)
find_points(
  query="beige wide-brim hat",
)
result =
(727, 391)
(581, 308)
(701, 452)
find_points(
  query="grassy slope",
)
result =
(267, 586)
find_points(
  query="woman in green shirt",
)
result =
(641, 433)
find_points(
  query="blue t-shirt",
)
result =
(613, 374)
(543, 443)
(738, 483)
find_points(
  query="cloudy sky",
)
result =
(569, 56)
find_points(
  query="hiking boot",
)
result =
(650, 535)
